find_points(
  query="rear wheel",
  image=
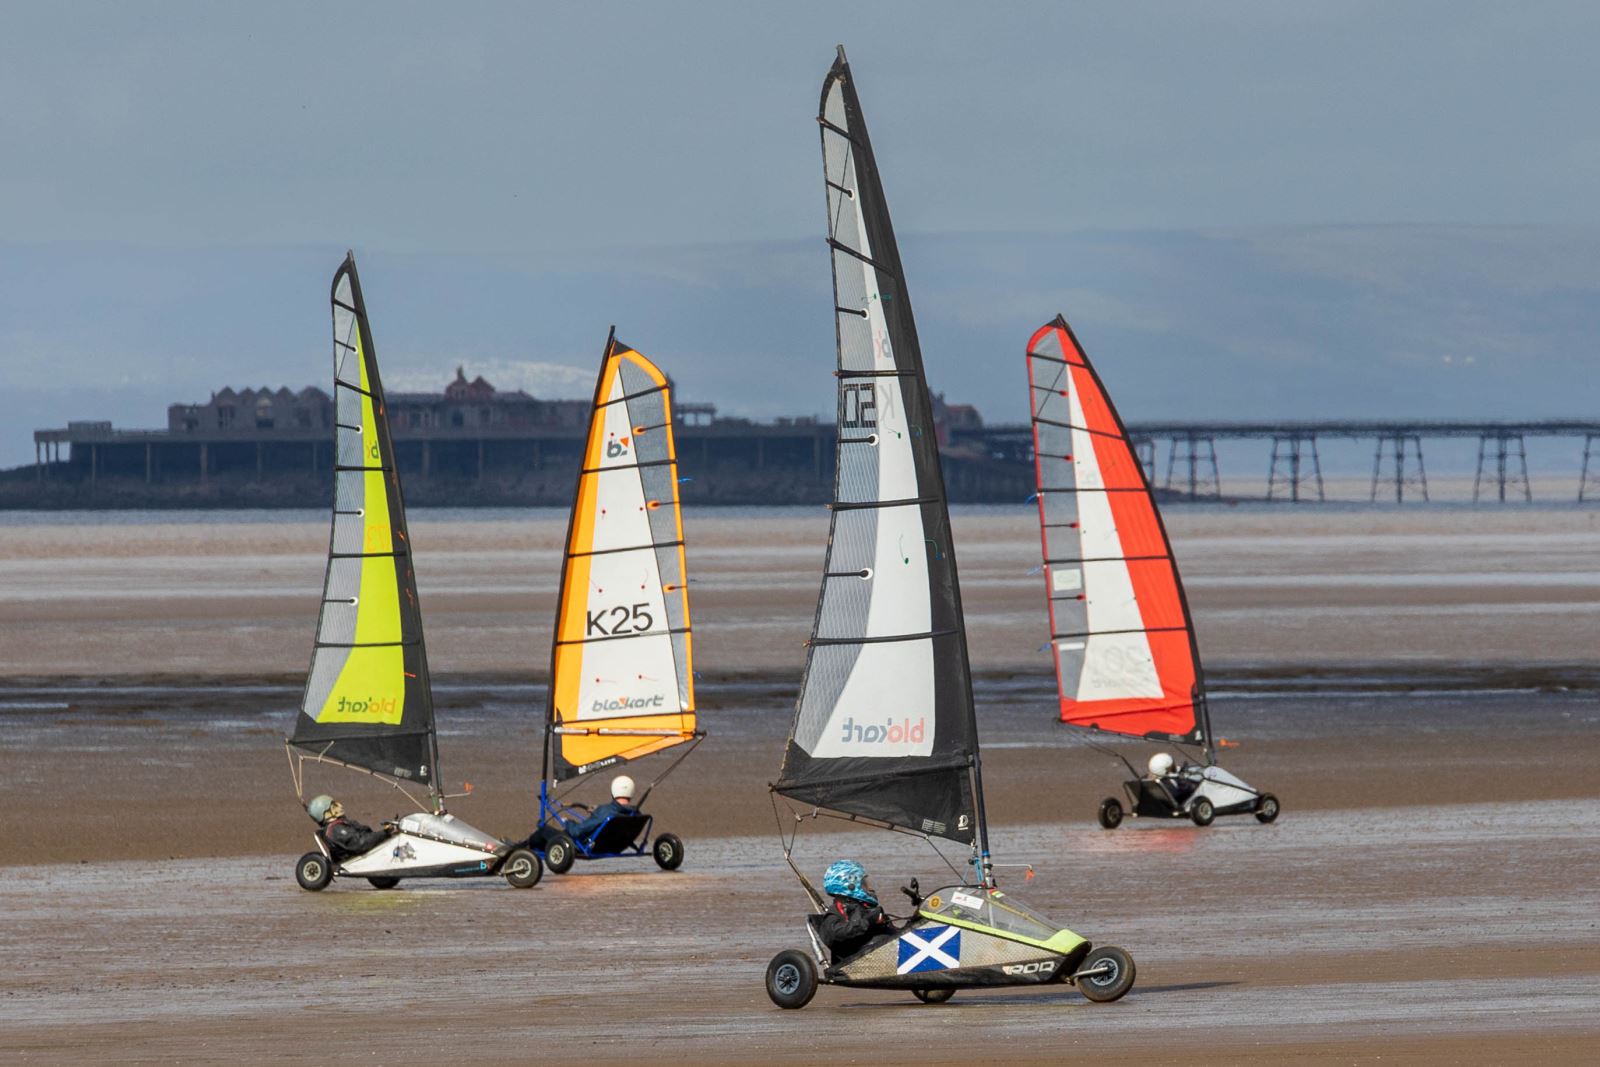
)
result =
(559, 854)
(1267, 808)
(668, 851)
(313, 871)
(1110, 813)
(791, 979)
(522, 869)
(1202, 812)
(934, 996)
(1107, 973)
(384, 883)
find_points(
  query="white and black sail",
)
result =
(884, 727)
(368, 701)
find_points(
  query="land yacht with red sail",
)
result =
(1123, 640)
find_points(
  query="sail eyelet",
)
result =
(354, 601)
(866, 574)
(872, 439)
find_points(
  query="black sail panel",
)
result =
(368, 701)
(884, 727)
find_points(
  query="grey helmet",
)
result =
(318, 808)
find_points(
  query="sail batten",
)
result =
(367, 701)
(884, 726)
(622, 677)
(1121, 635)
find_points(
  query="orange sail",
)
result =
(622, 678)
(1120, 630)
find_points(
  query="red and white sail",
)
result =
(1120, 632)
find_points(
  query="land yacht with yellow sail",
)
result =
(885, 731)
(368, 703)
(621, 658)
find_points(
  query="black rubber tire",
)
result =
(1104, 988)
(1110, 813)
(934, 996)
(1202, 812)
(313, 871)
(522, 868)
(1267, 808)
(668, 851)
(383, 883)
(792, 979)
(560, 854)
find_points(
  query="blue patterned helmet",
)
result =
(845, 878)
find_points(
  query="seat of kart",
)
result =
(616, 834)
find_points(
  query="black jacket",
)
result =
(348, 838)
(849, 924)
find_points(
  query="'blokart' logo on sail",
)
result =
(369, 709)
(888, 732)
(376, 706)
(628, 704)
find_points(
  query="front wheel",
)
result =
(313, 871)
(1202, 812)
(934, 996)
(384, 883)
(1267, 808)
(1107, 973)
(1110, 813)
(668, 851)
(522, 869)
(791, 979)
(559, 854)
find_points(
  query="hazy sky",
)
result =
(153, 150)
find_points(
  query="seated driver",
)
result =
(621, 804)
(579, 830)
(1163, 770)
(345, 837)
(855, 917)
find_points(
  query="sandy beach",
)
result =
(1418, 687)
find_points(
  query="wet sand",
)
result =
(237, 593)
(1420, 688)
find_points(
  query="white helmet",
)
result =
(622, 786)
(1160, 764)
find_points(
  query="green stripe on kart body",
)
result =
(1061, 942)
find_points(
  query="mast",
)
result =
(884, 727)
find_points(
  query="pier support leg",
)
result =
(1509, 448)
(149, 462)
(1199, 452)
(1583, 479)
(1290, 456)
(1397, 446)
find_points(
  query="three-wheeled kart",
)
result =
(1198, 793)
(961, 936)
(618, 837)
(424, 845)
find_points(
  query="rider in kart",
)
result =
(1178, 784)
(345, 837)
(621, 804)
(855, 917)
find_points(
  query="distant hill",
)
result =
(1428, 321)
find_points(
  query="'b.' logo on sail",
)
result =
(616, 447)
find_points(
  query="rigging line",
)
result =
(843, 373)
(1107, 559)
(840, 246)
(626, 637)
(864, 505)
(631, 396)
(1091, 488)
(340, 303)
(368, 555)
(931, 634)
(629, 466)
(1105, 633)
(368, 644)
(337, 382)
(627, 548)
(850, 311)
(348, 426)
(338, 467)
(831, 184)
(347, 347)
(833, 223)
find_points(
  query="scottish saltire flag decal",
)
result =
(931, 948)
